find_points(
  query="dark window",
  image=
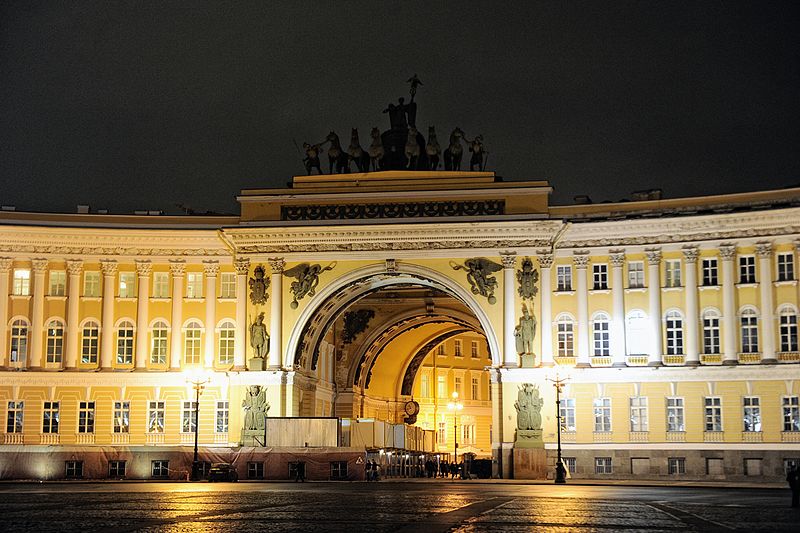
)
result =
(338, 469)
(116, 469)
(74, 469)
(255, 470)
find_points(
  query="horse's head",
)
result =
(375, 133)
(332, 137)
(354, 135)
(431, 133)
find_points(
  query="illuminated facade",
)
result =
(675, 322)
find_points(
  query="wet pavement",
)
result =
(434, 506)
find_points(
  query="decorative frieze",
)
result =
(391, 211)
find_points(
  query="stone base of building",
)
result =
(530, 463)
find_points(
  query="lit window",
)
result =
(158, 343)
(55, 341)
(675, 414)
(468, 434)
(600, 335)
(441, 434)
(125, 343)
(58, 283)
(441, 387)
(710, 273)
(788, 330)
(639, 413)
(155, 417)
(86, 417)
(19, 341)
(747, 269)
(602, 414)
(221, 420)
(791, 413)
(602, 465)
(563, 278)
(568, 414)
(600, 277)
(188, 417)
(90, 337)
(227, 285)
(440, 349)
(565, 336)
(194, 285)
(713, 413)
(474, 350)
(161, 285)
(674, 333)
(476, 389)
(457, 385)
(458, 352)
(22, 282)
(785, 266)
(424, 386)
(191, 343)
(14, 419)
(91, 284)
(752, 413)
(636, 274)
(227, 333)
(749, 331)
(122, 416)
(50, 417)
(710, 332)
(127, 285)
(673, 272)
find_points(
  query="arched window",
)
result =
(192, 334)
(55, 341)
(19, 341)
(565, 336)
(158, 343)
(674, 323)
(227, 331)
(125, 343)
(788, 329)
(90, 337)
(748, 321)
(711, 332)
(600, 335)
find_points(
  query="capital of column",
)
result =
(277, 264)
(653, 255)
(211, 268)
(5, 263)
(108, 267)
(39, 265)
(617, 258)
(509, 259)
(143, 268)
(581, 259)
(242, 266)
(727, 251)
(75, 267)
(690, 254)
(177, 267)
(545, 259)
(764, 249)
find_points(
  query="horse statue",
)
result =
(454, 152)
(412, 148)
(375, 149)
(433, 149)
(337, 156)
(357, 154)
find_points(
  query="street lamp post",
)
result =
(455, 406)
(198, 385)
(561, 472)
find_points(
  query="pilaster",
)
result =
(109, 269)
(729, 326)
(617, 258)
(654, 298)
(74, 269)
(143, 269)
(177, 268)
(545, 270)
(764, 251)
(211, 270)
(37, 320)
(510, 357)
(690, 254)
(242, 267)
(275, 317)
(581, 262)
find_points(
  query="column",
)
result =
(275, 319)
(242, 267)
(37, 320)
(581, 261)
(5, 273)
(74, 268)
(764, 251)
(143, 269)
(177, 268)
(690, 324)
(654, 294)
(510, 357)
(617, 258)
(729, 325)
(545, 267)
(211, 269)
(496, 394)
(109, 270)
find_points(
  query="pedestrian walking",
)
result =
(793, 477)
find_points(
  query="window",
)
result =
(19, 341)
(22, 282)
(424, 386)
(602, 414)
(468, 434)
(50, 417)
(565, 336)
(458, 352)
(474, 350)
(752, 413)
(86, 417)
(158, 343)
(90, 340)
(602, 346)
(563, 278)
(58, 283)
(749, 331)
(675, 414)
(440, 349)
(602, 465)
(338, 469)
(160, 468)
(122, 416)
(255, 470)
(710, 332)
(457, 385)
(14, 418)
(127, 285)
(569, 464)
(91, 284)
(476, 389)
(674, 333)
(227, 333)
(600, 277)
(194, 285)
(568, 414)
(55, 341)
(636, 274)
(747, 269)
(710, 272)
(125, 343)
(221, 420)
(676, 465)
(73, 469)
(155, 417)
(791, 413)
(161, 285)
(752, 467)
(639, 413)
(441, 434)
(788, 330)
(789, 463)
(191, 343)
(785, 266)
(441, 387)
(672, 269)
(713, 413)
(116, 469)
(188, 417)
(227, 286)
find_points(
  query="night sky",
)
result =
(145, 105)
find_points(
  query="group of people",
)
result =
(444, 469)
(373, 471)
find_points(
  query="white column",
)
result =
(37, 320)
(654, 294)
(729, 325)
(211, 269)
(581, 262)
(109, 269)
(510, 357)
(74, 268)
(764, 251)
(143, 269)
(275, 318)
(546, 320)
(242, 267)
(617, 258)
(5, 273)
(692, 315)
(177, 268)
